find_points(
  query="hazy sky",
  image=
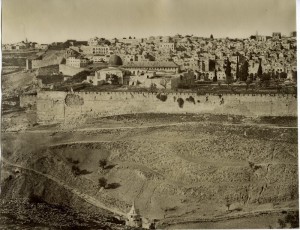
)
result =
(47, 21)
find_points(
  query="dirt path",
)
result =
(89, 199)
(149, 126)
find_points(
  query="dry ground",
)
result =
(176, 169)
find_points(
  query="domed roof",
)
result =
(115, 60)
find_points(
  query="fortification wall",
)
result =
(57, 106)
(69, 70)
(27, 100)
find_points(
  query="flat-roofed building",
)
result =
(166, 46)
(136, 67)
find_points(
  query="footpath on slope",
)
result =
(89, 199)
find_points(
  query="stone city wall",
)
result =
(53, 106)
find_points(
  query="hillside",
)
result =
(176, 171)
(17, 82)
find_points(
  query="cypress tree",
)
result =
(244, 71)
(237, 67)
(228, 72)
(259, 71)
(228, 68)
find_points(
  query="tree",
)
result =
(265, 79)
(102, 163)
(211, 36)
(248, 82)
(251, 77)
(244, 71)
(281, 223)
(106, 42)
(237, 67)
(228, 72)
(283, 75)
(294, 75)
(259, 71)
(102, 182)
(215, 76)
(211, 65)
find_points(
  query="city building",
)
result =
(77, 62)
(276, 35)
(136, 67)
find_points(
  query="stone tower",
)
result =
(134, 219)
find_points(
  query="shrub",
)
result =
(77, 172)
(102, 163)
(69, 159)
(34, 199)
(191, 99)
(102, 182)
(113, 186)
(180, 102)
(253, 166)
(162, 97)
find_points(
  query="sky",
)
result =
(46, 21)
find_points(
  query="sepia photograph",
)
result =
(148, 114)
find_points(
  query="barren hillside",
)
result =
(183, 171)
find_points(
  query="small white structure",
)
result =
(134, 219)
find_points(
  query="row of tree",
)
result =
(243, 73)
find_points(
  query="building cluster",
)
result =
(206, 57)
(173, 61)
(24, 45)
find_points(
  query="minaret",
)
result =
(134, 218)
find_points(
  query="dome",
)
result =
(115, 60)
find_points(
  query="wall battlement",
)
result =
(57, 106)
(28, 100)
